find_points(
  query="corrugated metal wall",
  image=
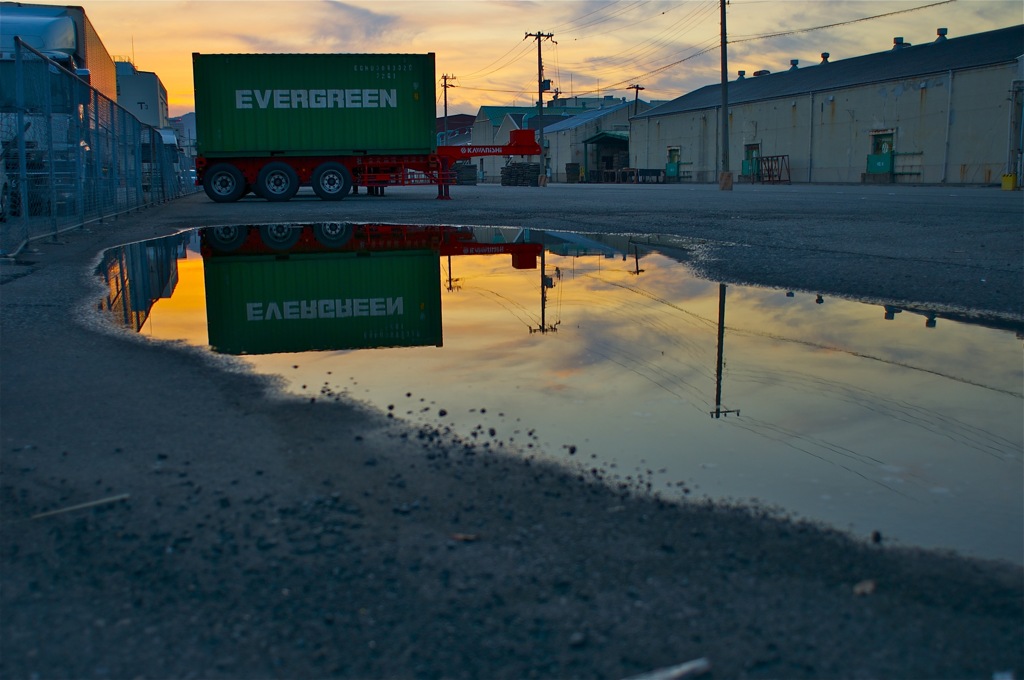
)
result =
(266, 304)
(947, 127)
(314, 104)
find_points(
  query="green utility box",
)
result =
(879, 164)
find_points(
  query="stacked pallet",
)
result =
(520, 175)
(465, 174)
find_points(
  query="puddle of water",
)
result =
(865, 417)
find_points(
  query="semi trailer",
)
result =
(43, 123)
(62, 33)
(272, 123)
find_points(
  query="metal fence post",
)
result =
(51, 151)
(115, 163)
(19, 100)
(97, 154)
(78, 134)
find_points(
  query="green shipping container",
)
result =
(265, 304)
(263, 105)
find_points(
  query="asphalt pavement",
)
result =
(166, 514)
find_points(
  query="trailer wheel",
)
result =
(224, 183)
(331, 181)
(277, 181)
(226, 239)
(280, 236)
(332, 234)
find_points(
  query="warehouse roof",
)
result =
(585, 117)
(546, 121)
(496, 114)
(608, 135)
(972, 51)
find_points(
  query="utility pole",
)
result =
(725, 179)
(719, 411)
(542, 85)
(546, 282)
(444, 84)
(636, 98)
(543, 294)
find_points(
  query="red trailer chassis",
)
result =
(276, 239)
(278, 178)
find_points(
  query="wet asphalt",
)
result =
(950, 247)
(167, 515)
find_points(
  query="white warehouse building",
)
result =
(947, 111)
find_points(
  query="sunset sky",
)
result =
(669, 47)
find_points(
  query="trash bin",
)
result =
(1009, 182)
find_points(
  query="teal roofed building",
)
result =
(492, 127)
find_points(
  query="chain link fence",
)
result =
(72, 156)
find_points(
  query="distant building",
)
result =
(185, 131)
(947, 111)
(559, 102)
(492, 126)
(459, 128)
(142, 94)
(583, 147)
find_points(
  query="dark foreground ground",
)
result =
(240, 534)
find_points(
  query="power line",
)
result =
(664, 38)
(487, 89)
(765, 36)
(575, 24)
(634, 54)
(667, 35)
(480, 72)
(672, 8)
(656, 71)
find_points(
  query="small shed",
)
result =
(612, 152)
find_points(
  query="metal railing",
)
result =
(71, 156)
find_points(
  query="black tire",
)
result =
(331, 181)
(333, 234)
(280, 236)
(277, 181)
(224, 183)
(226, 239)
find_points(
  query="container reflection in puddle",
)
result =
(856, 415)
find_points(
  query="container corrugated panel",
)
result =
(265, 304)
(314, 104)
